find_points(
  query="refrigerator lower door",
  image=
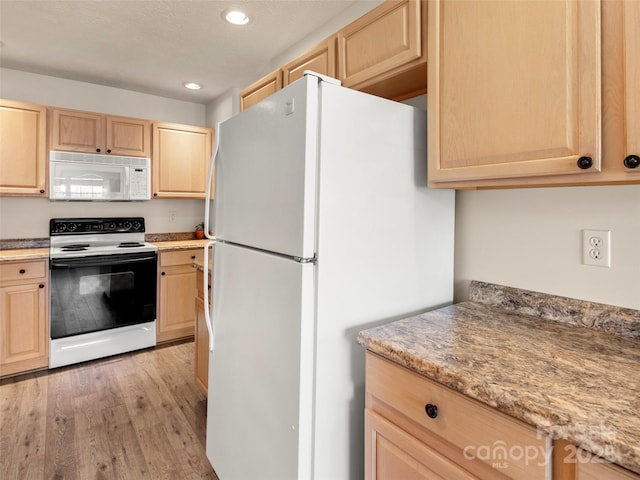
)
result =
(259, 416)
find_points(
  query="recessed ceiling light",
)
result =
(235, 16)
(192, 85)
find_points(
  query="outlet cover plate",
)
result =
(596, 248)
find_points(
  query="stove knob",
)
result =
(136, 225)
(61, 227)
(127, 225)
(111, 226)
(72, 227)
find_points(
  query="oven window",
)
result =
(98, 293)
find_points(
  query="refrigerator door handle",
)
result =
(207, 315)
(207, 199)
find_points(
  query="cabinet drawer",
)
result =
(478, 431)
(181, 257)
(23, 270)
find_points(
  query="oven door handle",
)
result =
(99, 261)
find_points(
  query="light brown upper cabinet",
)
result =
(78, 131)
(514, 89)
(533, 93)
(180, 161)
(320, 59)
(267, 85)
(23, 149)
(631, 48)
(384, 51)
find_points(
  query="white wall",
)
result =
(532, 239)
(29, 217)
(59, 92)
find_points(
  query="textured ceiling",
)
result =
(153, 46)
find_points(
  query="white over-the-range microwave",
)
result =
(86, 176)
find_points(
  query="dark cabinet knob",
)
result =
(632, 161)
(98, 150)
(585, 163)
(22, 270)
(108, 150)
(41, 285)
(41, 191)
(162, 274)
(155, 194)
(432, 410)
(193, 257)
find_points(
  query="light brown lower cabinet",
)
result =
(418, 429)
(201, 340)
(176, 291)
(24, 321)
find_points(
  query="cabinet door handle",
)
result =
(41, 191)
(585, 163)
(632, 161)
(41, 285)
(432, 410)
(108, 150)
(98, 150)
(193, 257)
(162, 273)
(22, 270)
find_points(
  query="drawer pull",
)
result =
(193, 257)
(41, 285)
(432, 410)
(22, 270)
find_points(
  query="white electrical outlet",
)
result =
(596, 247)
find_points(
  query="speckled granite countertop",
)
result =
(569, 367)
(29, 249)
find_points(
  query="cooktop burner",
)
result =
(129, 244)
(76, 247)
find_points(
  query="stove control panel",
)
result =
(79, 226)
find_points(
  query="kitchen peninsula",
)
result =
(568, 369)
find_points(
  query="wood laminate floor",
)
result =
(133, 416)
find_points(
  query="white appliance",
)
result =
(103, 278)
(324, 227)
(82, 176)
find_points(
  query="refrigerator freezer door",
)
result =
(266, 173)
(261, 368)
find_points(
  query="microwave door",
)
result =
(75, 181)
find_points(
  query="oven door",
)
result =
(91, 294)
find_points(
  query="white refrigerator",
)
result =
(324, 226)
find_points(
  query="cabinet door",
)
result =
(24, 340)
(201, 341)
(76, 131)
(631, 30)
(392, 453)
(180, 161)
(176, 291)
(514, 89)
(128, 136)
(320, 59)
(383, 44)
(261, 89)
(23, 158)
(600, 471)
